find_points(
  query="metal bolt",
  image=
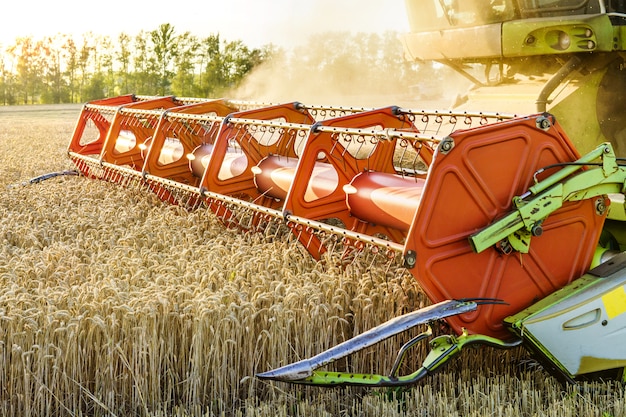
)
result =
(537, 229)
(410, 259)
(446, 145)
(505, 247)
(600, 207)
(543, 123)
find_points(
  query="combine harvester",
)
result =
(515, 237)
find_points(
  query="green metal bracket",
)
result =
(443, 348)
(515, 230)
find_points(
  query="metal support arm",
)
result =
(442, 349)
(547, 196)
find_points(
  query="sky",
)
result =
(285, 23)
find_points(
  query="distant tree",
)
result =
(185, 63)
(27, 53)
(84, 56)
(225, 65)
(165, 48)
(55, 83)
(95, 88)
(239, 60)
(4, 82)
(8, 77)
(145, 70)
(212, 75)
(104, 65)
(124, 59)
(71, 68)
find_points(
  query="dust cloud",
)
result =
(359, 70)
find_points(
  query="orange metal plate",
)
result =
(469, 188)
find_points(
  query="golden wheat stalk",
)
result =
(113, 303)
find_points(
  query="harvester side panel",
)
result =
(131, 127)
(244, 140)
(91, 131)
(472, 185)
(338, 145)
(100, 113)
(188, 134)
(349, 154)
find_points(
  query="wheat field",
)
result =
(113, 303)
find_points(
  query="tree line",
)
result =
(63, 69)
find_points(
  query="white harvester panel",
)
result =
(581, 326)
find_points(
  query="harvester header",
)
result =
(489, 212)
(513, 226)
